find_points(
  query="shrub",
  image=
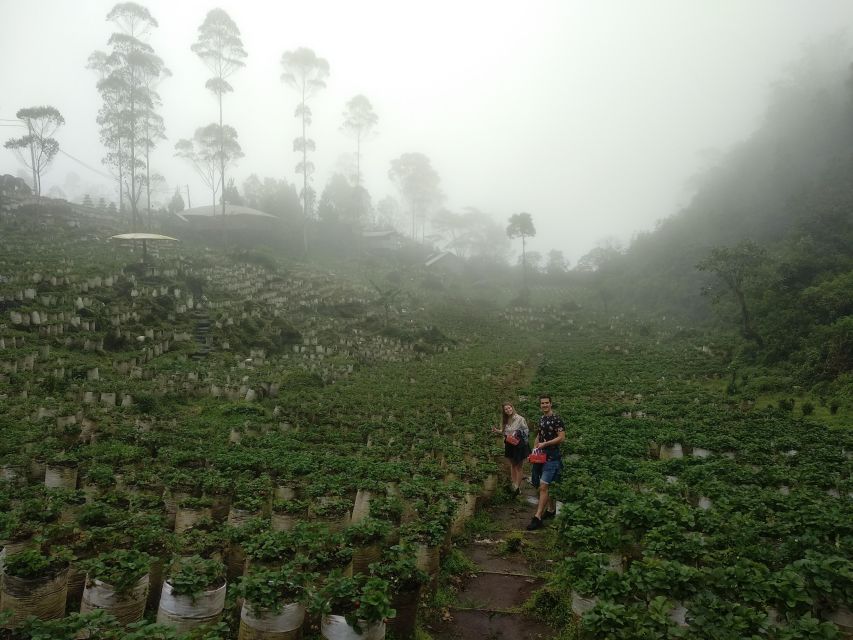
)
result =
(786, 404)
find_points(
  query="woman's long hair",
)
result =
(504, 417)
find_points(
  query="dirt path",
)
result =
(488, 603)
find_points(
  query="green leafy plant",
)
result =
(398, 566)
(195, 575)
(32, 564)
(366, 532)
(268, 590)
(121, 569)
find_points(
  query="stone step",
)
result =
(496, 591)
(478, 625)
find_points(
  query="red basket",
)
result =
(510, 439)
(537, 458)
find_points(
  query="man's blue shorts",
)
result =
(548, 472)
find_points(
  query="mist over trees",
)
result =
(129, 73)
(37, 149)
(418, 185)
(220, 48)
(306, 73)
(768, 234)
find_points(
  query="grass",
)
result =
(821, 412)
(453, 569)
(512, 543)
(554, 607)
(480, 526)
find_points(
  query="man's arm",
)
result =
(561, 435)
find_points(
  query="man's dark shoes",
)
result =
(535, 523)
(548, 514)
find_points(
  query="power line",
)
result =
(80, 162)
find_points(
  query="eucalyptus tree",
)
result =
(359, 121)
(306, 73)
(521, 226)
(128, 74)
(417, 182)
(211, 148)
(38, 148)
(154, 130)
(220, 48)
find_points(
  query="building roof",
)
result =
(379, 234)
(209, 211)
(436, 257)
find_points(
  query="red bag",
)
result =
(511, 439)
(537, 457)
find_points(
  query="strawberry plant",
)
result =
(121, 569)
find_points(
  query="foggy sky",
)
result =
(591, 115)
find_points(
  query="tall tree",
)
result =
(417, 183)
(737, 267)
(521, 226)
(153, 128)
(219, 46)
(128, 75)
(38, 148)
(211, 148)
(359, 121)
(305, 72)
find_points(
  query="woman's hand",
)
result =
(496, 430)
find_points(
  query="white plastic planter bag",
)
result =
(336, 628)
(126, 608)
(183, 613)
(581, 605)
(281, 626)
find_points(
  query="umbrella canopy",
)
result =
(141, 236)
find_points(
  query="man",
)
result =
(552, 431)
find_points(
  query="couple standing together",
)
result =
(552, 431)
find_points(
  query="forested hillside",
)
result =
(768, 235)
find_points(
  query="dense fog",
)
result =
(594, 118)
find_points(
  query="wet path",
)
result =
(489, 602)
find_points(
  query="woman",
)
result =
(514, 427)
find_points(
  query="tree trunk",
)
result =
(304, 178)
(133, 196)
(524, 262)
(36, 180)
(148, 170)
(748, 332)
(120, 181)
(358, 161)
(221, 157)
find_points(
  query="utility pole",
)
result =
(189, 204)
